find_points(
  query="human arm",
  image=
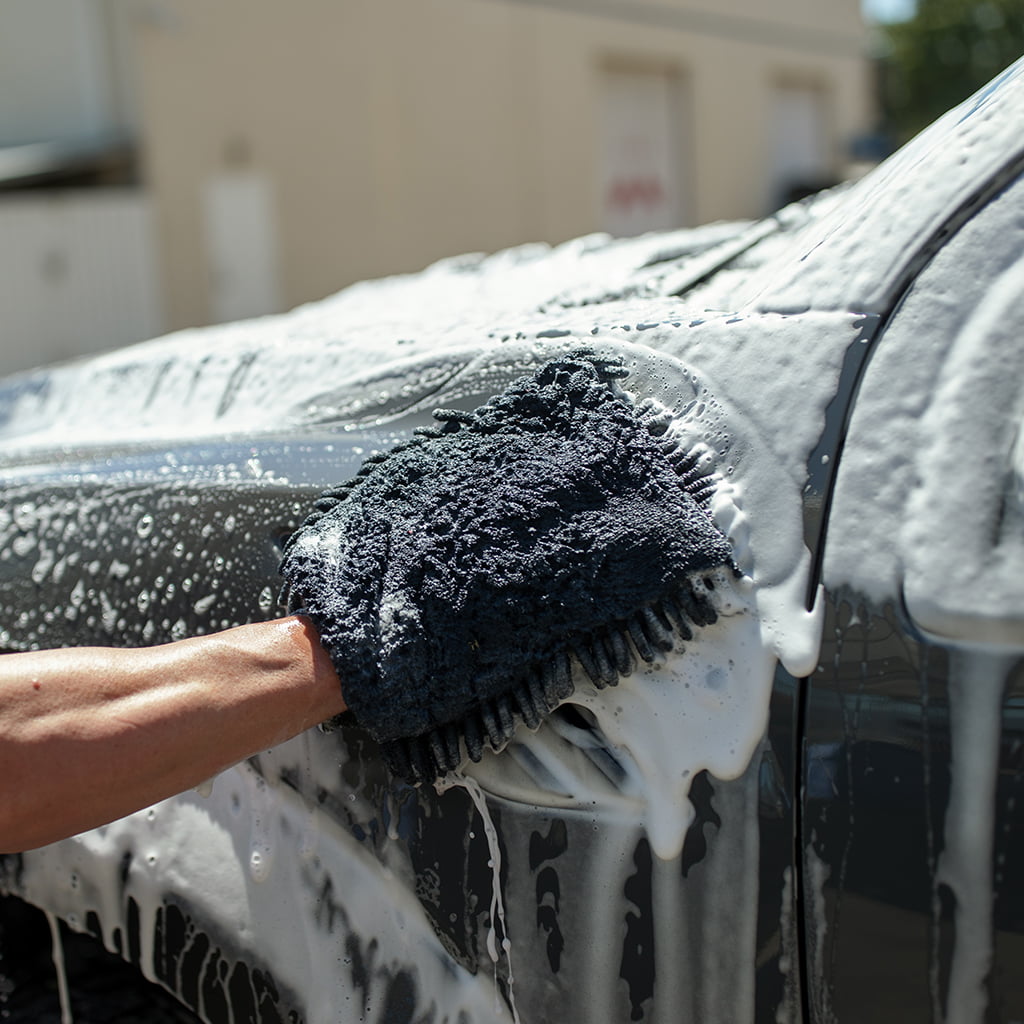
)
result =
(88, 735)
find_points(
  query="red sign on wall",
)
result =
(641, 172)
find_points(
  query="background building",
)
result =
(241, 157)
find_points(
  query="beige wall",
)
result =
(394, 132)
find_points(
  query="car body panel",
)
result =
(131, 524)
(912, 821)
(863, 252)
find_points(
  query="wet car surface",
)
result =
(812, 812)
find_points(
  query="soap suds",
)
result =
(977, 681)
(700, 707)
(349, 884)
(66, 1016)
(345, 902)
(819, 976)
(497, 920)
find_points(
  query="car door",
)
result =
(911, 819)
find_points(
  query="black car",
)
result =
(813, 812)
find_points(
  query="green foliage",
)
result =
(948, 50)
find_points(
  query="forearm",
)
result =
(88, 735)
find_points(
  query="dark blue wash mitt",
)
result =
(455, 577)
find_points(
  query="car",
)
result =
(813, 811)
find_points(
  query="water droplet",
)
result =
(144, 527)
(23, 545)
(258, 866)
(25, 517)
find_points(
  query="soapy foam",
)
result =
(803, 368)
(66, 1016)
(789, 956)
(702, 706)
(816, 873)
(497, 911)
(976, 683)
(319, 920)
(766, 614)
(705, 705)
(669, 720)
(762, 497)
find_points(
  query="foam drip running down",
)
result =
(670, 718)
(704, 705)
(977, 681)
(456, 780)
(261, 845)
(61, 971)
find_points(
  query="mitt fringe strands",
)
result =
(456, 578)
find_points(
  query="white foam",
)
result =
(705, 707)
(66, 1016)
(976, 683)
(204, 847)
(497, 910)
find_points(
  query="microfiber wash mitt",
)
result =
(457, 576)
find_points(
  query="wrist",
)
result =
(315, 666)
